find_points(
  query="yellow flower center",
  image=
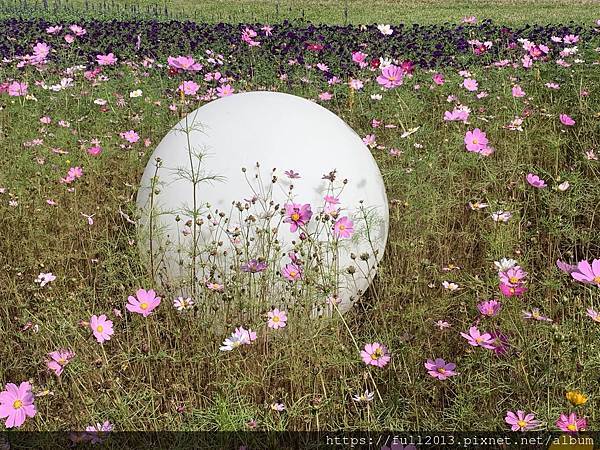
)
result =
(522, 423)
(511, 290)
(441, 370)
(479, 339)
(293, 273)
(62, 361)
(144, 305)
(597, 279)
(99, 328)
(17, 404)
(572, 427)
(513, 279)
(475, 141)
(275, 319)
(377, 354)
(342, 227)
(295, 217)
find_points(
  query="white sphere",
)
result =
(277, 131)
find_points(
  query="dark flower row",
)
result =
(426, 45)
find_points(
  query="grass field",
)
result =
(166, 371)
(509, 12)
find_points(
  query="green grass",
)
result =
(509, 12)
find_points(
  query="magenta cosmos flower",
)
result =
(512, 291)
(391, 77)
(58, 360)
(277, 319)
(292, 272)
(343, 228)
(520, 421)
(16, 404)
(106, 60)
(145, 302)
(572, 423)
(566, 120)
(375, 354)
(476, 140)
(101, 328)
(477, 339)
(588, 273)
(535, 181)
(440, 369)
(297, 215)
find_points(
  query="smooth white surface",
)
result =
(278, 131)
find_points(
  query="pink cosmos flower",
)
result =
(69, 38)
(17, 89)
(391, 77)
(489, 308)
(101, 328)
(457, 114)
(438, 79)
(440, 369)
(145, 302)
(58, 360)
(16, 404)
(513, 276)
(360, 58)
(77, 30)
(343, 228)
(94, 150)
(356, 84)
(568, 268)
(224, 91)
(470, 84)
(130, 136)
(475, 140)
(106, 60)
(517, 91)
(512, 291)
(571, 424)
(375, 354)
(277, 319)
(44, 278)
(297, 215)
(189, 87)
(476, 339)
(535, 181)
(566, 120)
(184, 63)
(292, 272)
(520, 421)
(588, 273)
(54, 29)
(325, 96)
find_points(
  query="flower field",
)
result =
(485, 310)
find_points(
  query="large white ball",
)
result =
(278, 131)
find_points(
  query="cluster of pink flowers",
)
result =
(512, 278)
